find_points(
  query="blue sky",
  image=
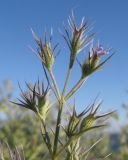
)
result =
(110, 20)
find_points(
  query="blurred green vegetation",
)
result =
(20, 127)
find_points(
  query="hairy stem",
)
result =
(48, 81)
(60, 112)
(65, 146)
(66, 82)
(57, 130)
(55, 85)
(45, 135)
(75, 88)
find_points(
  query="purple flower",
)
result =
(99, 50)
(92, 63)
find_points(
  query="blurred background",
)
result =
(18, 64)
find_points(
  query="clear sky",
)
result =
(110, 18)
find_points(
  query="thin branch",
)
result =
(75, 88)
(49, 81)
(66, 82)
(55, 84)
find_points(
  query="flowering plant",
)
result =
(37, 98)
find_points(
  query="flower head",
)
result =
(95, 55)
(35, 99)
(74, 122)
(76, 38)
(86, 120)
(99, 50)
(91, 63)
(89, 121)
(45, 51)
(46, 54)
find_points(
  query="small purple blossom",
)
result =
(100, 51)
(92, 63)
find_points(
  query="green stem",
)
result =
(46, 133)
(65, 146)
(57, 129)
(45, 72)
(48, 146)
(55, 84)
(75, 88)
(66, 82)
(75, 137)
(59, 114)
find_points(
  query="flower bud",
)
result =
(46, 54)
(43, 106)
(77, 38)
(73, 123)
(87, 122)
(35, 99)
(45, 51)
(91, 63)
